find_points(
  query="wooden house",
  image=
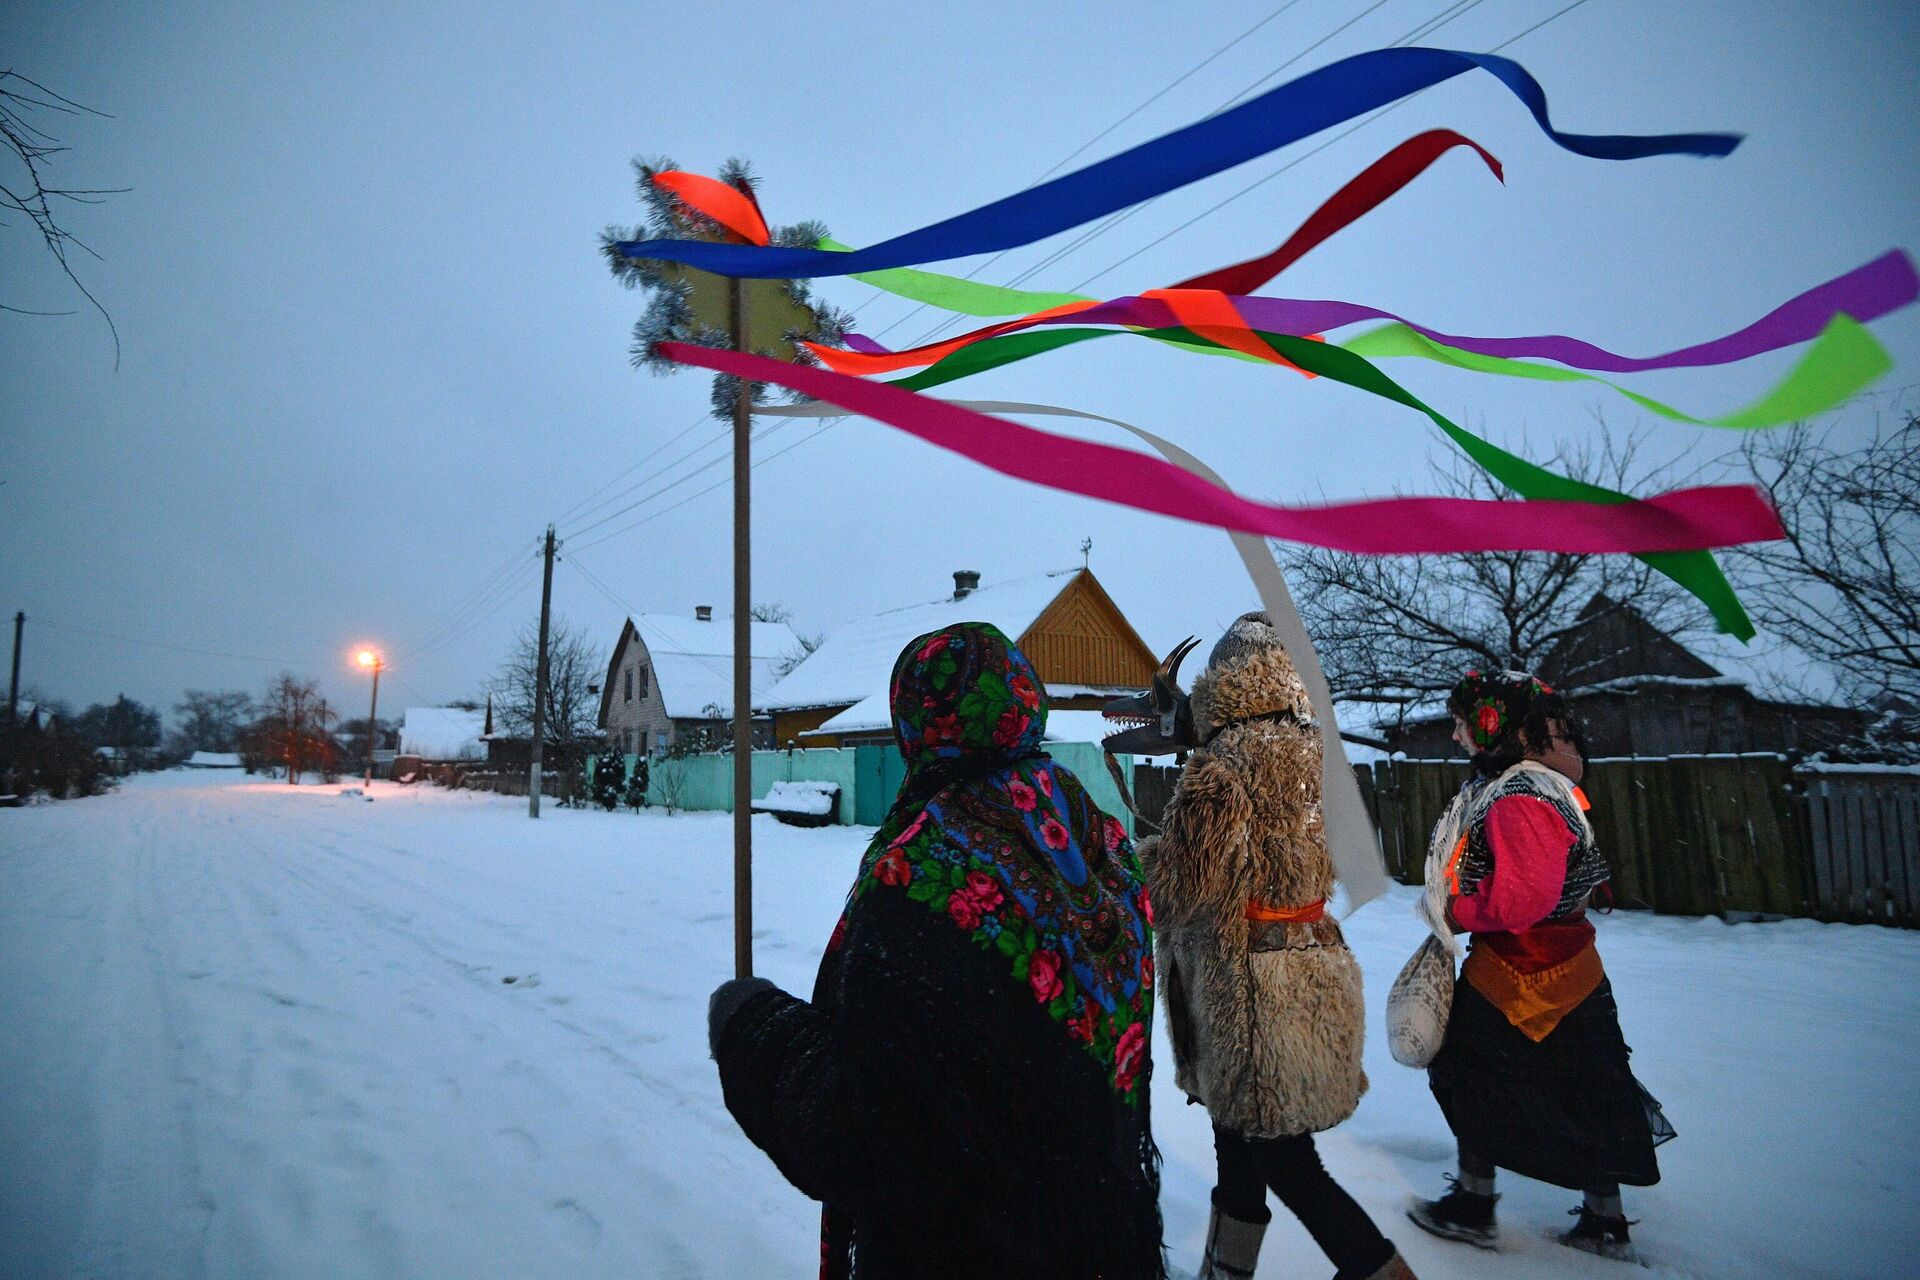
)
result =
(1083, 647)
(671, 676)
(1640, 692)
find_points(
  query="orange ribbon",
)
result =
(1264, 913)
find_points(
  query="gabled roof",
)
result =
(692, 662)
(442, 733)
(855, 662)
(214, 760)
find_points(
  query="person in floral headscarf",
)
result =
(1532, 1075)
(966, 1091)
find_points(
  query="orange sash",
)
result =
(1534, 1002)
(1265, 913)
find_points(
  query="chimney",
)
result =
(703, 612)
(965, 583)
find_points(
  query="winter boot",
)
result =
(1604, 1236)
(1458, 1215)
(1394, 1268)
(1233, 1247)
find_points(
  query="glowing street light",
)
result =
(370, 659)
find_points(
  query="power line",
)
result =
(1056, 167)
(489, 583)
(1062, 163)
(674, 484)
(1419, 31)
(163, 644)
(639, 620)
(1348, 132)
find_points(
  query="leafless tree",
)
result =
(210, 720)
(1845, 583)
(26, 191)
(803, 644)
(573, 667)
(1394, 631)
(293, 726)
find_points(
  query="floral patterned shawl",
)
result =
(1007, 844)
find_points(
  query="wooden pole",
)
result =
(13, 689)
(373, 720)
(742, 654)
(540, 684)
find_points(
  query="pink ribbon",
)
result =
(1682, 520)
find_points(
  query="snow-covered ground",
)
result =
(259, 1031)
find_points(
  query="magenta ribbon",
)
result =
(1682, 520)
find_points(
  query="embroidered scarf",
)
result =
(1007, 845)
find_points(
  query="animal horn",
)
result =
(1170, 665)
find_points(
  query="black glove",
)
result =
(726, 1001)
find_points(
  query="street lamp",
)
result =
(370, 659)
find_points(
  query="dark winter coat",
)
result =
(966, 1090)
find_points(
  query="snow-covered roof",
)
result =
(691, 683)
(692, 661)
(442, 733)
(854, 664)
(214, 760)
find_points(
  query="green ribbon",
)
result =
(951, 293)
(1696, 571)
(1842, 362)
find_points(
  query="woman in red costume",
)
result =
(1533, 1075)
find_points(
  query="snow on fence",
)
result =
(1720, 835)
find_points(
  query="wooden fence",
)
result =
(1693, 835)
(1863, 832)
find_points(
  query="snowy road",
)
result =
(260, 1031)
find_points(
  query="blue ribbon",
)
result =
(1295, 110)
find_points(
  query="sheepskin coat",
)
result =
(1266, 1018)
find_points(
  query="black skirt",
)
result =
(1565, 1110)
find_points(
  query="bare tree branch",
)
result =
(1395, 631)
(34, 148)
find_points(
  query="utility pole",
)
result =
(13, 690)
(742, 652)
(540, 684)
(373, 722)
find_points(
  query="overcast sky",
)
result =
(369, 349)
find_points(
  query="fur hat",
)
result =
(1248, 674)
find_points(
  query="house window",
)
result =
(643, 741)
(629, 674)
(643, 679)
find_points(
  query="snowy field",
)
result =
(255, 1031)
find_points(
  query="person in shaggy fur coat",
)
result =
(1262, 995)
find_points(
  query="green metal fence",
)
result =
(869, 778)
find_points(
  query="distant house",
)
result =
(212, 760)
(34, 718)
(1083, 647)
(1640, 692)
(671, 675)
(442, 735)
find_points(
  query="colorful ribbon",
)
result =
(1695, 571)
(1295, 110)
(1352, 842)
(1683, 520)
(1866, 293)
(1845, 360)
(1364, 193)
